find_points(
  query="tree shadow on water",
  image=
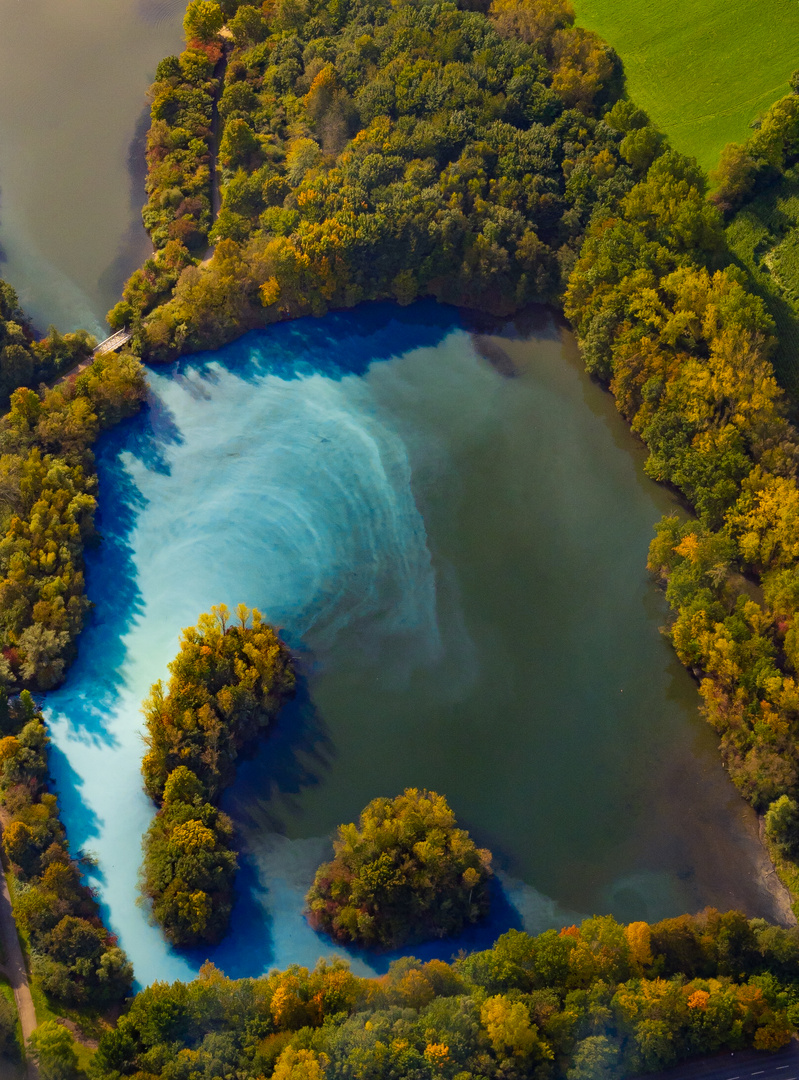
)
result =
(95, 681)
(295, 754)
(134, 245)
(84, 823)
(298, 750)
(340, 344)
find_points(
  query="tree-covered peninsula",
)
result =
(48, 487)
(370, 150)
(404, 873)
(227, 684)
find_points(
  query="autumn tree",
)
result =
(507, 1011)
(203, 20)
(189, 864)
(406, 872)
(226, 686)
(782, 825)
(53, 1050)
(534, 21)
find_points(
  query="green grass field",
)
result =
(703, 71)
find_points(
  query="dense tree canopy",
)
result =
(686, 348)
(226, 686)
(52, 1049)
(376, 150)
(189, 863)
(47, 504)
(74, 957)
(27, 362)
(404, 873)
(47, 487)
(635, 998)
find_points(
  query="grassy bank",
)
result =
(702, 72)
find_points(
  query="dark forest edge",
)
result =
(592, 1003)
(26, 361)
(756, 184)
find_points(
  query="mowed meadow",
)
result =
(703, 71)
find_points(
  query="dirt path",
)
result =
(15, 969)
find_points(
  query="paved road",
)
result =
(743, 1065)
(14, 967)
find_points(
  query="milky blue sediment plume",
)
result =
(450, 528)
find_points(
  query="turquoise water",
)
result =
(451, 529)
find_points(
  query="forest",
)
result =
(47, 504)
(226, 687)
(489, 158)
(585, 1003)
(374, 151)
(27, 362)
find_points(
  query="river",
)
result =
(450, 526)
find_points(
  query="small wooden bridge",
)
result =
(111, 344)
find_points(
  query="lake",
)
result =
(451, 528)
(450, 523)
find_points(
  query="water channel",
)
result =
(450, 525)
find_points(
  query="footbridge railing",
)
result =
(111, 344)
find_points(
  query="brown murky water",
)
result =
(73, 80)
